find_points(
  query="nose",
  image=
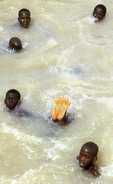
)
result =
(82, 161)
(25, 21)
(82, 158)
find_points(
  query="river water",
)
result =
(65, 54)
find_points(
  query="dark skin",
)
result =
(99, 12)
(15, 44)
(12, 99)
(87, 158)
(64, 121)
(24, 18)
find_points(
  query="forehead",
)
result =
(100, 8)
(85, 152)
(11, 95)
(24, 13)
(15, 40)
(91, 149)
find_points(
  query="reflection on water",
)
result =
(65, 53)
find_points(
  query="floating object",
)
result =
(60, 108)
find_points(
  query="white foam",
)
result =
(1, 28)
(91, 20)
(20, 136)
(107, 171)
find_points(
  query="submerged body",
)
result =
(99, 12)
(13, 104)
(15, 44)
(87, 158)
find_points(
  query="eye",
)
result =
(88, 156)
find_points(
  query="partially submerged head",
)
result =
(24, 17)
(99, 12)
(88, 154)
(12, 99)
(15, 44)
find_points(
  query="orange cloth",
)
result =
(61, 105)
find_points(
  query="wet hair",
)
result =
(24, 13)
(13, 91)
(15, 43)
(90, 148)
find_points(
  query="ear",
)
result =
(77, 157)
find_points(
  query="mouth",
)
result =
(11, 106)
(82, 164)
(98, 16)
(25, 25)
